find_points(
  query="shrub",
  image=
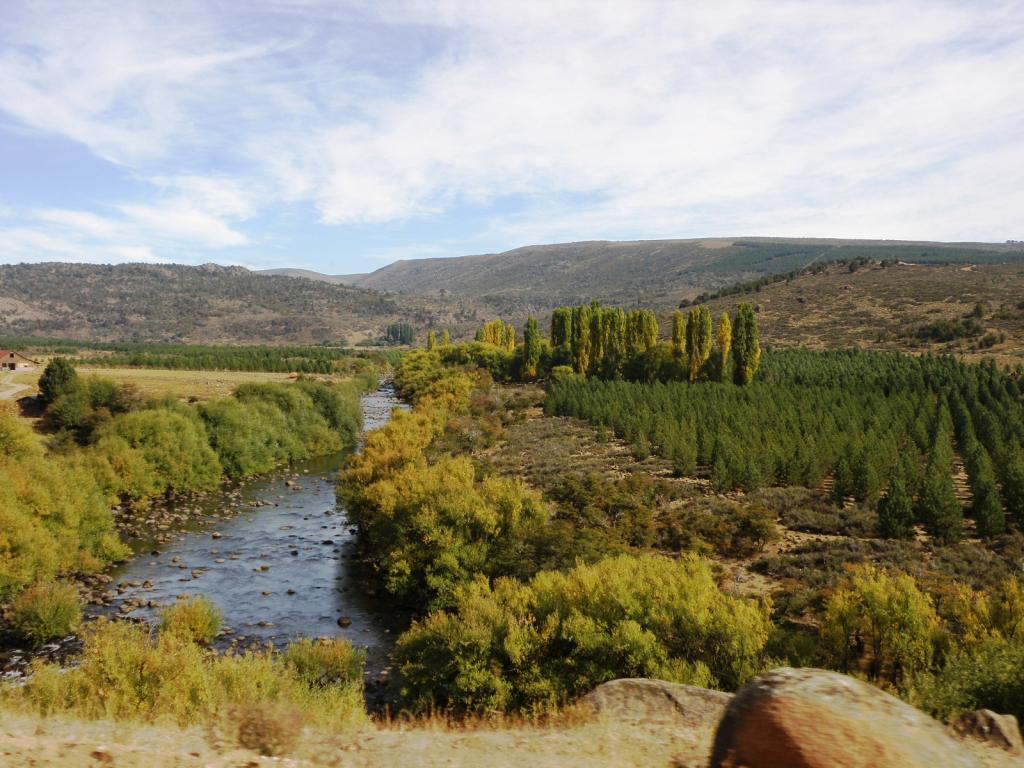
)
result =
(326, 661)
(127, 673)
(989, 676)
(46, 610)
(196, 621)
(517, 646)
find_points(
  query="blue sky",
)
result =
(341, 136)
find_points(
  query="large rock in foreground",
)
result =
(809, 718)
(656, 701)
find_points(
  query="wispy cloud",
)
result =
(639, 119)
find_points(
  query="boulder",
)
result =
(996, 730)
(810, 718)
(649, 701)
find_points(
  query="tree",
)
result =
(939, 507)
(580, 344)
(399, 333)
(678, 335)
(698, 339)
(896, 510)
(59, 377)
(446, 338)
(431, 339)
(746, 345)
(531, 350)
(723, 344)
(885, 614)
(561, 332)
(613, 329)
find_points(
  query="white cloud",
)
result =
(637, 119)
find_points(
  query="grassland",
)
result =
(201, 385)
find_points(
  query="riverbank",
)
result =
(275, 554)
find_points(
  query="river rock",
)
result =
(810, 718)
(650, 701)
(344, 621)
(1000, 731)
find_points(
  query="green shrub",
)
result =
(126, 673)
(326, 661)
(989, 676)
(517, 646)
(46, 610)
(197, 620)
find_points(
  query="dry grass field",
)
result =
(157, 382)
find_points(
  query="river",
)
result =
(276, 555)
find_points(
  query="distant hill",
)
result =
(974, 311)
(311, 275)
(139, 302)
(655, 273)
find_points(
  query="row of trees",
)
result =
(612, 343)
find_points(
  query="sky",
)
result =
(341, 136)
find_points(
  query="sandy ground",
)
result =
(9, 388)
(28, 741)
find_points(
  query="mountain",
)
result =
(974, 311)
(141, 302)
(311, 275)
(656, 273)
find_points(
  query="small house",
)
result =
(15, 361)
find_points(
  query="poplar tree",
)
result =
(723, 344)
(613, 329)
(597, 338)
(431, 340)
(446, 338)
(746, 347)
(561, 330)
(698, 339)
(580, 345)
(678, 334)
(531, 350)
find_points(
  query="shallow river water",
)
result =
(276, 555)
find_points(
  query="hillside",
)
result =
(911, 307)
(656, 273)
(136, 302)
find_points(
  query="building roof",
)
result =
(15, 353)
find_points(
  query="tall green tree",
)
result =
(678, 334)
(613, 329)
(698, 339)
(446, 338)
(561, 332)
(723, 345)
(531, 350)
(746, 345)
(431, 339)
(896, 510)
(580, 346)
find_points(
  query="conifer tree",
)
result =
(896, 510)
(531, 350)
(746, 345)
(988, 512)
(59, 377)
(723, 345)
(698, 339)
